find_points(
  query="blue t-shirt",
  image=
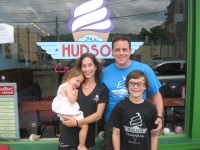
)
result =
(114, 78)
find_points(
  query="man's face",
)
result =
(121, 53)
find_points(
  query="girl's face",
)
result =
(136, 87)
(76, 81)
(88, 68)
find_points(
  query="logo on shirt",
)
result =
(121, 91)
(135, 129)
(96, 99)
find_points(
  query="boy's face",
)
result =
(136, 87)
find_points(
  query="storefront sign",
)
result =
(9, 123)
(90, 26)
(73, 50)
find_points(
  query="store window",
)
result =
(160, 25)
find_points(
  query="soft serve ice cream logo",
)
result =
(90, 25)
(91, 21)
(135, 129)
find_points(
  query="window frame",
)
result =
(191, 137)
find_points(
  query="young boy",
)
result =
(133, 118)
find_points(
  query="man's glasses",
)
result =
(139, 84)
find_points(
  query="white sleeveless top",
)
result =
(62, 106)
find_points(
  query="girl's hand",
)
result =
(69, 121)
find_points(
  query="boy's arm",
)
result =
(154, 141)
(116, 138)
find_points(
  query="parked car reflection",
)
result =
(171, 73)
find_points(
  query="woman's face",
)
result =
(88, 67)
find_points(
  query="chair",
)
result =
(179, 116)
(36, 122)
(169, 118)
(30, 93)
(49, 118)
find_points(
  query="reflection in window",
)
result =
(161, 25)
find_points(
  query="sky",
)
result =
(129, 16)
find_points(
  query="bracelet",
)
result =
(77, 123)
(159, 117)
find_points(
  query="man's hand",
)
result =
(69, 121)
(159, 122)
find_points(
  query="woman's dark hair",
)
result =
(95, 61)
(136, 74)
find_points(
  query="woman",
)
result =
(92, 98)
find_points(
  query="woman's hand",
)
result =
(69, 121)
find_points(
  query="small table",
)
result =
(179, 103)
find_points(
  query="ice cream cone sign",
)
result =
(90, 25)
(91, 21)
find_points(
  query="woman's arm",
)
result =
(116, 138)
(71, 122)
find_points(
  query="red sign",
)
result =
(6, 90)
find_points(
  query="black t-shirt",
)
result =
(88, 104)
(135, 122)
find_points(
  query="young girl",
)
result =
(65, 101)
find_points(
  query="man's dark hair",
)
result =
(121, 38)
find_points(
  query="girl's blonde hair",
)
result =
(73, 72)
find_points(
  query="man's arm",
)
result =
(158, 101)
(116, 138)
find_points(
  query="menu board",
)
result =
(9, 122)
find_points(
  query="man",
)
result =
(114, 77)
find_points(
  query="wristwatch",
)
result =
(160, 117)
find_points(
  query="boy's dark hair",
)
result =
(121, 38)
(136, 74)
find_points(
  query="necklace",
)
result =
(88, 85)
(89, 88)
